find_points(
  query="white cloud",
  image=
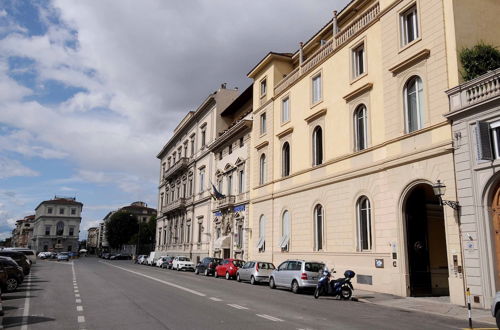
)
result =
(12, 167)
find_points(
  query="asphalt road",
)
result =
(92, 293)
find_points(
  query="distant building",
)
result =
(21, 235)
(57, 225)
(92, 236)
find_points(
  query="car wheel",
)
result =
(206, 272)
(271, 283)
(178, 269)
(196, 271)
(227, 276)
(295, 287)
(12, 284)
(238, 278)
(252, 280)
(497, 316)
(215, 274)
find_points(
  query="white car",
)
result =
(182, 262)
(161, 260)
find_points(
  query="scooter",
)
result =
(342, 287)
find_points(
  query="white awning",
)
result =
(284, 241)
(223, 242)
(261, 242)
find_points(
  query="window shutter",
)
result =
(483, 141)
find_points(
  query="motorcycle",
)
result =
(341, 287)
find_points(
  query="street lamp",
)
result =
(439, 189)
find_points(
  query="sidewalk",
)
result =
(432, 305)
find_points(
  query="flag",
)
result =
(217, 194)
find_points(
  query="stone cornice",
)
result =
(284, 133)
(410, 61)
(357, 92)
(315, 115)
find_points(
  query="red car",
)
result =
(228, 268)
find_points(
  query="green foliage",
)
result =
(120, 227)
(478, 60)
(147, 232)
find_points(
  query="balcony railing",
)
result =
(180, 165)
(480, 89)
(177, 204)
(329, 47)
(227, 201)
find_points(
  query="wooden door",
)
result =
(495, 208)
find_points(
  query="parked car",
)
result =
(160, 261)
(207, 266)
(296, 275)
(228, 268)
(495, 309)
(19, 258)
(142, 259)
(30, 254)
(255, 272)
(62, 256)
(121, 256)
(167, 263)
(105, 255)
(181, 262)
(15, 275)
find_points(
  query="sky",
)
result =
(90, 90)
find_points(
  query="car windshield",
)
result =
(183, 259)
(238, 263)
(314, 267)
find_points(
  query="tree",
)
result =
(478, 60)
(145, 237)
(120, 227)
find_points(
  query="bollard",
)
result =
(468, 308)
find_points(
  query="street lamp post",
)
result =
(439, 189)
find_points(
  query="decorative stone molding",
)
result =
(412, 60)
(357, 92)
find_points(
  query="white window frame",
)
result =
(241, 181)
(369, 231)
(358, 140)
(358, 53)
(285, 109)
(284, 243)
(202, 180)
(316, 161)
(316, 88)
(285, 160)
(261, 244)
(317, 233)
(495, 138)
(404, 18)
(262, 169)
(263, 123)
(419, 103)
(263, 87)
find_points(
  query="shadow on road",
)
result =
(16, 321)
(6, 297)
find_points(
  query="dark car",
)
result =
(120, 256)
(207, 266)
(167, 263)
(19, 258)
(14, 272)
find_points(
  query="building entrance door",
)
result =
(495, 209)
(227, 253)
(426, 243)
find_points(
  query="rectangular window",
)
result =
(47, 230)
(73, 211)
(192, 147)
(285, 110)
(162, 197)
(358, 61)
(240, 236)
(220, 155)
(71, 231)
(409, 26)
(184, 190)
(49, 210)
(229, 184)
(230, 149)
(61, 211)
(241, 142)
(200, 230)
(316, 89)
(202, 180)
(185, 149)
(203, 137)
(241, 181)
(495, 139)
(190, 187)
(263, 123)
(188, 233)
(263, 87)
(219, 185)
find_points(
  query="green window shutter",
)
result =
(483, 141)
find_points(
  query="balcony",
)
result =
(179, 166)
(225, 202)
(175, 205)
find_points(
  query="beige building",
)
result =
(92, 237)
(349, 136)
(231, 150)
(186, 166)
(21, 235)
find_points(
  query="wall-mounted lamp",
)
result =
(439, 190)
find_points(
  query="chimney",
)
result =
(335, 26)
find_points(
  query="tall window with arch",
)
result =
(60, 228)
(360, 127)
(262, 169)
(317, 146)
(318, 227)
(284, 242)
(261, 245)
(363, 210)
(414, 104)
(285, 158)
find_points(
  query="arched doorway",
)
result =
(426, 243)
(495, 218)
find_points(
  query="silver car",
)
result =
(255, 272)
(296, 275)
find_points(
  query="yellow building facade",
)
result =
(349, 136)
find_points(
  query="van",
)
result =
(30, 254)
(153, 256)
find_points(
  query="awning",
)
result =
(223, 242)
(261, 242)
(284, 241)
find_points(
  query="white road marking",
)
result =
(158, 280)
(237, 306)
(77, 295)
(76, 291)
(215, 299)
(269, 317)
(81, 318)
(79, 308)
(26, 305)
(78, 301)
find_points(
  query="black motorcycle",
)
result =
(341, 287)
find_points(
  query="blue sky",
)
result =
(91, 90)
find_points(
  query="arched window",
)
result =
(285, 231)
(364, 218)
(60, 228)
(261, 245)
(285, 158)
(414, 104)
(317, 146)
(318, 227)
(360, 128)
(262, 169)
